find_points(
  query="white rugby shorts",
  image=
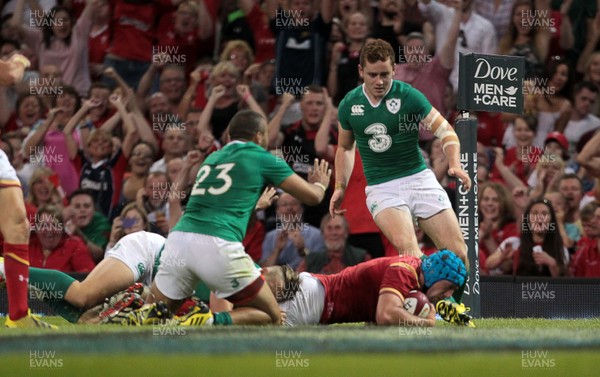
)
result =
(222, 265)
(419, 194)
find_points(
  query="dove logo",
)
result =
(486, 71)
(510, 90)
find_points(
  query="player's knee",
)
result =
(405, 245)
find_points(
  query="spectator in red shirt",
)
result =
(29, 110)
(514, 167)
(586, 262)
(52, 248)
(264, 40)
(133, 27)
(179, 35)
(496, 218)
(99, 39)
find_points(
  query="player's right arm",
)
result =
(312, 192)
(344, 163)
(391, 312)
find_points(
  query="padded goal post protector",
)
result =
(466, 212)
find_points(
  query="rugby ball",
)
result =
(417, 303)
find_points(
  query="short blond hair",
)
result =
(235, 44)
(228, 67)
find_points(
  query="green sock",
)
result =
(222, 318)
(53, 285)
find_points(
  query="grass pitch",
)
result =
(497, 347)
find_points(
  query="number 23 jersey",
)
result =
(386, 133)
(227, 188)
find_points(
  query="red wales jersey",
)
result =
(133, 27)
(352, 295)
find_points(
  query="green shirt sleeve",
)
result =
(275, 170)
(419, 102)
(343, 115)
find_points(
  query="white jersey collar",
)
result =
(382, 97)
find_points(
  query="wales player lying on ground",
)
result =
(373, 291)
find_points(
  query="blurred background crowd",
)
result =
(125, 98)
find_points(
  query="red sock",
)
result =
(16, 269)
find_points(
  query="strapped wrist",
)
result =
(320, 185)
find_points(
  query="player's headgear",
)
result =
(443, 265)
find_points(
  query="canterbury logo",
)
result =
(358, 110)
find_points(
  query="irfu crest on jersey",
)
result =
(393, 105)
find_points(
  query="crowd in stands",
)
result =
(124, 99)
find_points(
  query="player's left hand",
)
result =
(462, 176)
(320, 172)
(336, 202)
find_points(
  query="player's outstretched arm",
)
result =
(391, 312)
(450, 145)
(312, 192)
(344, 163)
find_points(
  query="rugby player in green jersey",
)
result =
(382, 117)
(206, 243)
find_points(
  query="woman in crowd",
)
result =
(47, 143)
(514, 167)
(132, 219)
(523, 39)
(64, 42)
(554, 108)
(496, 218)
(539, 251)
(43, 189)
(29, 110)
(51, 247)
(227, 97)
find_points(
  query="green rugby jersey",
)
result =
(227, 188)
(387, 134)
